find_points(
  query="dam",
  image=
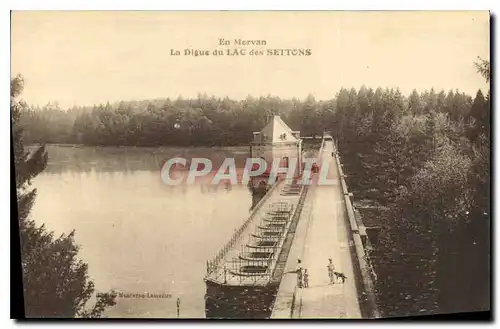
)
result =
(254, 275)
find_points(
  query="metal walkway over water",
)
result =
(252, 254)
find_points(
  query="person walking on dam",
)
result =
(299, 274)
(331, 271)
(306, 279)
(298, 270)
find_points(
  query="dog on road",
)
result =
(339, 275)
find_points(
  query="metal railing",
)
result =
(237, 233)
(282, 212)
(230, 273)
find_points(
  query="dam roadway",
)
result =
(323, 232)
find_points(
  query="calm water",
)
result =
(137, 234)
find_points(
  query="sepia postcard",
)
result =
(250, 164)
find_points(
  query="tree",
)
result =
(435, 201)
(480, 115)
(55, 281)
(436, 234)
(483, 67)
(471, 243)
(414, 103)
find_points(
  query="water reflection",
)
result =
(83, 159)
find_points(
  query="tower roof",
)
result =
(277, 131)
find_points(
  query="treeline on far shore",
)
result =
(210, 121)
(422, 159)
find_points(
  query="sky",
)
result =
(86, 58)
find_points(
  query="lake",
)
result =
(136, 233)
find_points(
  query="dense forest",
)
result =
(205, 121)
(424, 163)
(422, 160)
